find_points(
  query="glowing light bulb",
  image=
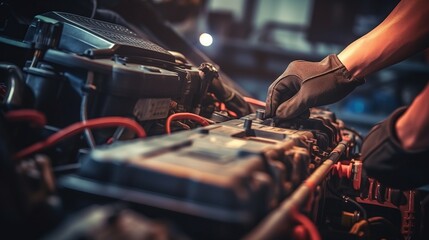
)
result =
(206, 39)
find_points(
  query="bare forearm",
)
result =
(412, 128)
(403, 33)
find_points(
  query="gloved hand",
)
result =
(385, 159)
(309, 84)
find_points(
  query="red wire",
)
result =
(184, 116)
(222, 107)
(307, 224)
(79, 127)
(254, 101)
(36, 118)
(232, 114)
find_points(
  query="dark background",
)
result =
(255, 40)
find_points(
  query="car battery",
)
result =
(230, 173)
(198, 174)
(222, 171)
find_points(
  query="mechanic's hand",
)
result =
(387, 161)
(309, 84)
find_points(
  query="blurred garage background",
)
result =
(253, 41)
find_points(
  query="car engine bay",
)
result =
(106, 134)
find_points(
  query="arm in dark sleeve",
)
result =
(386, 160)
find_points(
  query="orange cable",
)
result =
(184, 116)
(309, 226)
(79, 127)
(254, 101)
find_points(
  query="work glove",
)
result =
(309, 84)
(385, 160)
